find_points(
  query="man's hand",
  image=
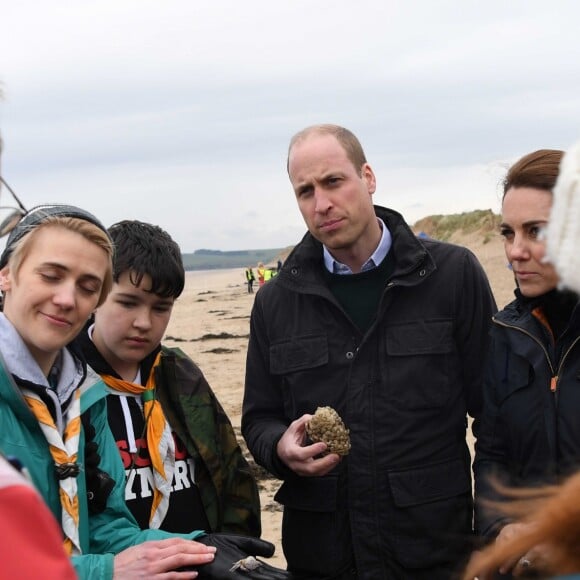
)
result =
(301, 458)
(161, 558)
(233, 550)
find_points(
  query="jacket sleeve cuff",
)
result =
(278, 468)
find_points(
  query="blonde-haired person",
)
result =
(55, 270)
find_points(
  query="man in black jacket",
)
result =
(391, 332)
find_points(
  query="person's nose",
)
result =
(65, 295)
(143, 319)
(322, 200)
(519, 249)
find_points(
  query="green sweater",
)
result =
(360, 294)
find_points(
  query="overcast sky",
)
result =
(179, 112)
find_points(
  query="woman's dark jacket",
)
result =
(530, 428)
(401, 501)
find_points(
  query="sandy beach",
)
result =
(210, 323)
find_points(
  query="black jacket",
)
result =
(401, 501)
(530, 428)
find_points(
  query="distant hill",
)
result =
(216, 259)
(481, 224)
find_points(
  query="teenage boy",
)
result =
(184, 467)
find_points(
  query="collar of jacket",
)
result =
(519, 313)
(303, 267)
(90, 384)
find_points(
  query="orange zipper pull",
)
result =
(554, 384)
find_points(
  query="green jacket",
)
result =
(103, 535)
(229, 492)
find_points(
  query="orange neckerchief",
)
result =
(159, 440)
(64, 451)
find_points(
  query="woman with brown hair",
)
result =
(530, 433)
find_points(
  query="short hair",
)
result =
(538, 170)
(142, 248)
(88, 230)
(346, 138)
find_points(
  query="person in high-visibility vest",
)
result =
(250, 279)
(261, 271)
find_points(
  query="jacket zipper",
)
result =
(555, 374)
(564, 357)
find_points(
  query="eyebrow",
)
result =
(62, 267)
(136, 296)
(525, 224)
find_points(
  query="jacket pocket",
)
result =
(517, 375)
(431, 514)
(315, 533)
(421, 357)
(298, 353)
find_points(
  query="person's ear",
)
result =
(368, 176)
(5, 280)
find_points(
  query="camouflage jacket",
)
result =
(228, 489)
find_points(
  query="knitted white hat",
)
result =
(563, 231)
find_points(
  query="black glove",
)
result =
(231, 550)
(99, 484)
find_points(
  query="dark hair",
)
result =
(347, 139)
(142, 248)
(538, 169)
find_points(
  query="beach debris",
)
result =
(220, 350)
(327, 426)
(218, 312)
(248, 564)
(219, 336)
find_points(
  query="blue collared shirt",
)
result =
(335, 267)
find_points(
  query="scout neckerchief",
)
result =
(159, 440)
(64, 450)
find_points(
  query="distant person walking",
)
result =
(250, 279)
(261, 273)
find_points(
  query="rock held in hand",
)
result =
(327, 426)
